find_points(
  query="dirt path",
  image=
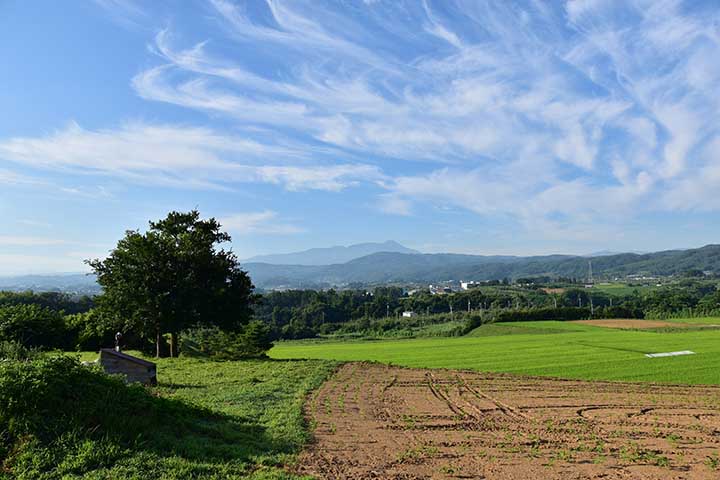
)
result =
(375, 421)
(634, 323)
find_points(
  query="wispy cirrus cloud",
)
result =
(265, 222)
(563, 107)
(556, 116)
(127, 13)
(179, 156)
(9, 177)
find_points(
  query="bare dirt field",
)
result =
(633, 323)
(553, 290)
(384, 422)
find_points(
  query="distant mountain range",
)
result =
(78, 283)
(391, 262)
(331, 255)
(386, 267)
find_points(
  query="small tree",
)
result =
(173, 277)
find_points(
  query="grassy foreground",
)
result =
(558, 349)
(239, 420)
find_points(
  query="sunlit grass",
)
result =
(559, 349)
(260, 429)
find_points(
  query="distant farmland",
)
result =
(560, 349)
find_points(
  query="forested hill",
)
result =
(402, 267)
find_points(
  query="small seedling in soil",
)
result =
(599, 446)
(409, 421)
(662, 461)
(449, 470)
(534, 452)
(430, 450)
(564, 455)
(673, 438)
(713, 462)
(414, 453)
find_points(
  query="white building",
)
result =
(409, 313)
(469, 285)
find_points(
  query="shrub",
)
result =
(618, 312)
(473, 322)
(92, 330)
(253, 341)
(14, 350)
(33, 326)
(536, 314)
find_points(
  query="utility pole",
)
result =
(387, 310)
(468, 306)
(554, 301)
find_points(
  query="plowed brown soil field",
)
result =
(384, 422)
(634, 323)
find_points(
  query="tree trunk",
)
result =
(158, 338)
(173, 345)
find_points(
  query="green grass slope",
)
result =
(551, 348)
(206, 420)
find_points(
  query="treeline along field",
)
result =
(56, 320)
(296, 314)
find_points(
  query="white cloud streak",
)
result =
(24, 241)
(184, 157)
(265, 222)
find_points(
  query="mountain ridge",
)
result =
(331, 255)
(388, 267)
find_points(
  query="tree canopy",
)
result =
(175, 276)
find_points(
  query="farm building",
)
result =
(135, 369)
(409, 313)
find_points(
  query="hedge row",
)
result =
(560, 313)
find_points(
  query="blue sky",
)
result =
(514, 127)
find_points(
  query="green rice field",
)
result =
(552, 348)
(696, 321)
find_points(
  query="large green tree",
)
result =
(175, 276)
